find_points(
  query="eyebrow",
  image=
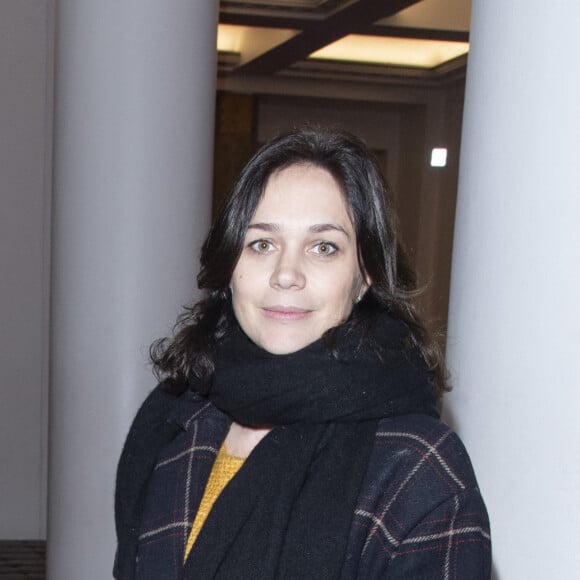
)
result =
(315, 229)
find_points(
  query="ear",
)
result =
(367, 282)
(365, 285)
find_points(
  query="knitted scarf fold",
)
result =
(288, 511)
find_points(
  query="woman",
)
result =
(295, 433)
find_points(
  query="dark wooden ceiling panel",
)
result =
(352, 18)
(321, 22)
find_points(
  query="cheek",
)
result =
(244, 272)
(352, 281)
(244, 288)
(238, 290)
(343, 294)
(358, 287)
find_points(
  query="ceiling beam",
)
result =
(300, 23)
(416, 33)
(351, 19)
(265, 21)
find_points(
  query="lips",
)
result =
(286, 313)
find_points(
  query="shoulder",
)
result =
(424, 446)
(161, 406)
(161, 417)
(416, 463)
(419, 499)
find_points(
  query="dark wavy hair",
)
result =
(381, 257)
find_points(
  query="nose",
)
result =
(288, 272)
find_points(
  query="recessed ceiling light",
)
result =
(392, 51)
(439, 157)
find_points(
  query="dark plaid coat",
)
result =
(419, 514)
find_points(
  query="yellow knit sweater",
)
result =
(224, 469)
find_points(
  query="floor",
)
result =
(22, 560)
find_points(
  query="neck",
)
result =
(241, 440)
(374, 372)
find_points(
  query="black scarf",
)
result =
(287, 513)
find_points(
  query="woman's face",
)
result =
(298, 274)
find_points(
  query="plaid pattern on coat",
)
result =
(419, 514)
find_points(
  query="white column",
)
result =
(135, 90)
(514, 326)
(25, 185)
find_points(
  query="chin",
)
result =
(288, 346)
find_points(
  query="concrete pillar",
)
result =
(514, 339)
(135, 91)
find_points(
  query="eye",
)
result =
(324, 248)
(261, 246)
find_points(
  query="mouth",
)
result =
(286, 313)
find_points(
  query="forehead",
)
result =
(303, 191)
